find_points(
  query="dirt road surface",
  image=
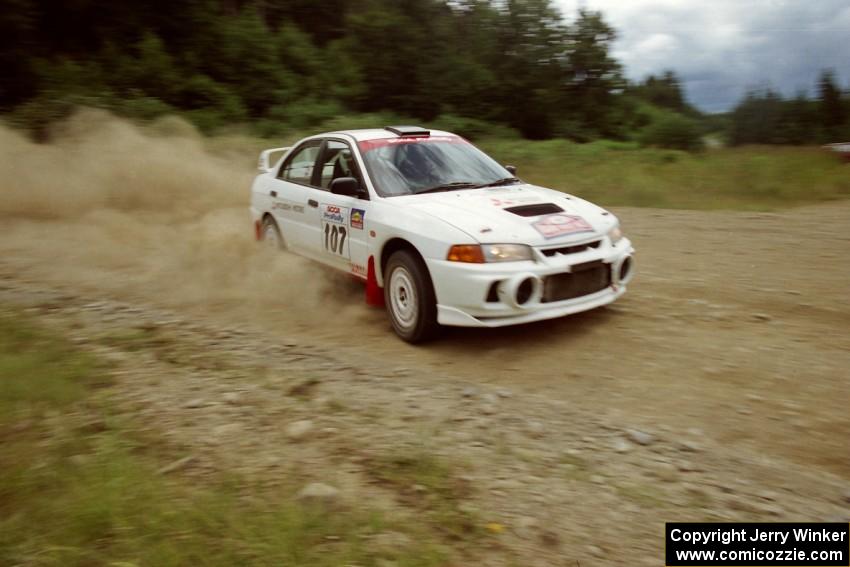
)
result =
(716, 389)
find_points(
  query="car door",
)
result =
(288, 195)
(341, 233)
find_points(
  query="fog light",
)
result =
(524, 291)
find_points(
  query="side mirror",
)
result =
(511, 169)
(345, 186)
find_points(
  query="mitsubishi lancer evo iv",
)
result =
(440, 232)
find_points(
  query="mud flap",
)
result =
(374, 293)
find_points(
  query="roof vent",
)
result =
(535, 210)
(408, 130)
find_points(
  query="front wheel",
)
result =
(409, 297)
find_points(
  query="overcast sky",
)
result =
(721, 48)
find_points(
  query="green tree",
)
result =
(467, 75)
(18, 80)
(397, 44)
(246, 58)
(798, 122)
(831, 107)
(593, 77)
(756, 119)
(664, 91)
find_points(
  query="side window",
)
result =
(299, 168)
(337, 161)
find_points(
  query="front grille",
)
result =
(549, 252)
(595, 277)
(535, 210)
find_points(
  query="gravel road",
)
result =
(716, 389)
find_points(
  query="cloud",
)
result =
(721, 49)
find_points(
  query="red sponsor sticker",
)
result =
(367, 145)
(560, 224)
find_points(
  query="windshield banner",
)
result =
(366, 145)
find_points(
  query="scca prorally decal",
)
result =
(559, 224)
(357, 216)
(334, 214)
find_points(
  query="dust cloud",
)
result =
(156, 212)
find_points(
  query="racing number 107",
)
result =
(335, 238)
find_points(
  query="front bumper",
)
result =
(483, 295)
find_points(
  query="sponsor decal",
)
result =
(357, 216)
(297, 208)
(358, 270)
(333, 214)
(559, 224)
(515, 199)
(281, 206)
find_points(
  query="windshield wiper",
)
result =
(503, 181)
(449, 187)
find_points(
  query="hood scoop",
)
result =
(535, 210)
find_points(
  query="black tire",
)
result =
(270, 233)
(409, 297)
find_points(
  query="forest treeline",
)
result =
(294, 64)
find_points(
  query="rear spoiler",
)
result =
(264, 163)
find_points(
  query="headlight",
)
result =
(507, 252)
(615, 234)
(479, 254)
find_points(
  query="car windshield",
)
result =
(407, 166)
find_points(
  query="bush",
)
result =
(142, 108)
(672, 131)
(37, 115)
(471, 128)
(305, 113)
(200, 92)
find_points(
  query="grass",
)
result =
(621, 174)
(73, 494)
(38, 372)
(429, 484)
(135, 339)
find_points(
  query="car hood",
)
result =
(490, 215)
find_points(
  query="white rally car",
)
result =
(451, 236)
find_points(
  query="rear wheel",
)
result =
(270, 234)
(409, 297)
